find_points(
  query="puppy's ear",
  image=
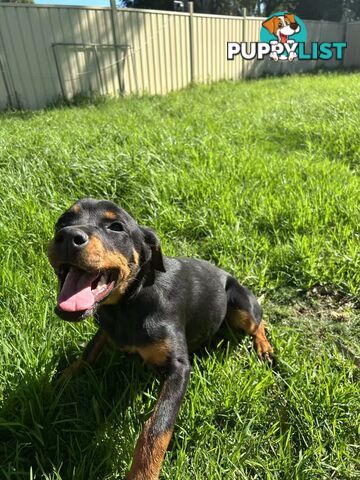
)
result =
(271, 24)
(290, 17)
(150, 238)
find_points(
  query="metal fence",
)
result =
(53, 52)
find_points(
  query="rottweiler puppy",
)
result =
(162, 308)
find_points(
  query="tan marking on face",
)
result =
(149, 453)
(136, 257)
(242, 319)
(75, 208)
(97, 258)
(109, 215)
(119, 291)
(93, 254)
(51, 255)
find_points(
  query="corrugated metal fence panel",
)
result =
(5, 93)
(78, 71)
(252, 34)
(154, 54)
(204, 46)
(28, 33)
(16, 54)
(352, 55)
(159, 58)
(331, 32)
(4, 97)
(235, 33)
(211, 34)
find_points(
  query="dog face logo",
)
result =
(282, 26)
(278, 30)
(283, 36)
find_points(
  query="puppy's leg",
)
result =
(242, 319)
(244, 312)
(89, 356)
(155, 437)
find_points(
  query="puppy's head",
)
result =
(97, 251)
(282, 25)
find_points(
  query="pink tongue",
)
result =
(76, 292)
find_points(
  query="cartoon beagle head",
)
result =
(282, 26)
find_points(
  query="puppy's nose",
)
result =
(294, 26)
(72, 237)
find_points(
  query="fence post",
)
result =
(244, 39)
(117, 58)
(191, 41)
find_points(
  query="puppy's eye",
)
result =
(116, 227)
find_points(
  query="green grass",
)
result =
(260, 177)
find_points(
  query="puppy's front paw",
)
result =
(264, 350)
(262, 345)
(72, 371)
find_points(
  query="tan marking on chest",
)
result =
(156, 353)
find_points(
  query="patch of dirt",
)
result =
(325, 317)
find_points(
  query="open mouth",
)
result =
(81, 291)
(283, 38)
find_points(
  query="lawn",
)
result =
(259, 177)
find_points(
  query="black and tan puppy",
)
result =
(157, 306)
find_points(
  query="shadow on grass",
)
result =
(85, 428)
(70, 428)
(79, 101)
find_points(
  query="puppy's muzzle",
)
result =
(71, 239)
